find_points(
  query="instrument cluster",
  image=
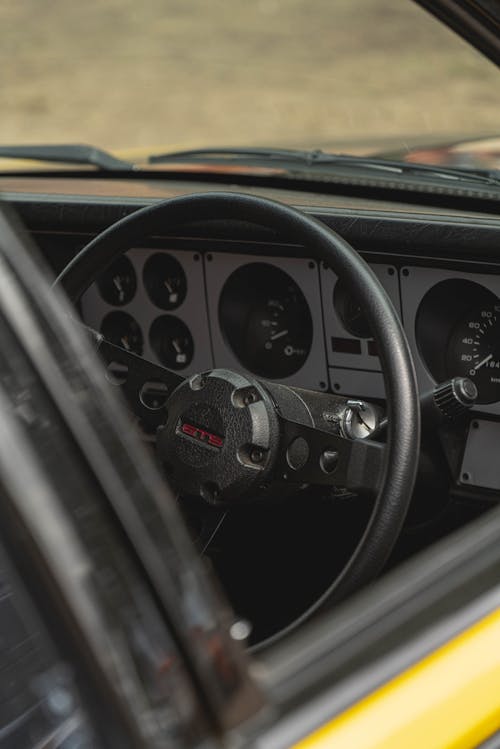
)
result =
(292, 320)
(152, 303)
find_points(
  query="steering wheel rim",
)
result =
(323, 244)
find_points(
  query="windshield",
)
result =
(349, 76)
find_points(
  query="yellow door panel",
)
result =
(449, 700)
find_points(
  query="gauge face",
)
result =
(165, 281)
(349, 312)
(121, 329)
(172, 342)
(474, 351)
(266, 320)
(118, 283)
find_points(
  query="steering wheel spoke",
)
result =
(315, 456)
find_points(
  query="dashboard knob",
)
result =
(449, 400)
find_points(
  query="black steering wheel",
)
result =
(210, 418)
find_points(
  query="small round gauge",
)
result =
(474, 351)
(266, 320)
(171, 341)
(121, 329)
(165, 281)
(118, 283)
(349, 312)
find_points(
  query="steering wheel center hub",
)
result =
(220, 438)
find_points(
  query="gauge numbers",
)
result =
(474, 351)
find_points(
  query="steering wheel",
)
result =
(228, 437)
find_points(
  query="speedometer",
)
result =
(474, 351)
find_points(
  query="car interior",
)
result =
(247, 386)
(227, 294)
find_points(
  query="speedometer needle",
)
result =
(278, 335)
(483, 362)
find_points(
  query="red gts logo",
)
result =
(202, 435)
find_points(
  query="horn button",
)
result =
(221, 435)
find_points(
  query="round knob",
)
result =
(454, 398)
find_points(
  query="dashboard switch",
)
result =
(359, 420)
(450, 400)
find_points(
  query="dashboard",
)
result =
(284, 319)
(234, 296)
(292, 320)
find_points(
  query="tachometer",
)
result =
(266, 320)
(474, 351)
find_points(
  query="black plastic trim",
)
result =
(412, 232)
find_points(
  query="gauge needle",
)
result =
(125, 343)
(117, 282)
(175, 344)
(168, 285)
(483, 362)
(278, 335)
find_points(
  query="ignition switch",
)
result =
(359, 420)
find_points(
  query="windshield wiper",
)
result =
(287, 158)
(317, 158)
(67, 154)
(233, 154)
